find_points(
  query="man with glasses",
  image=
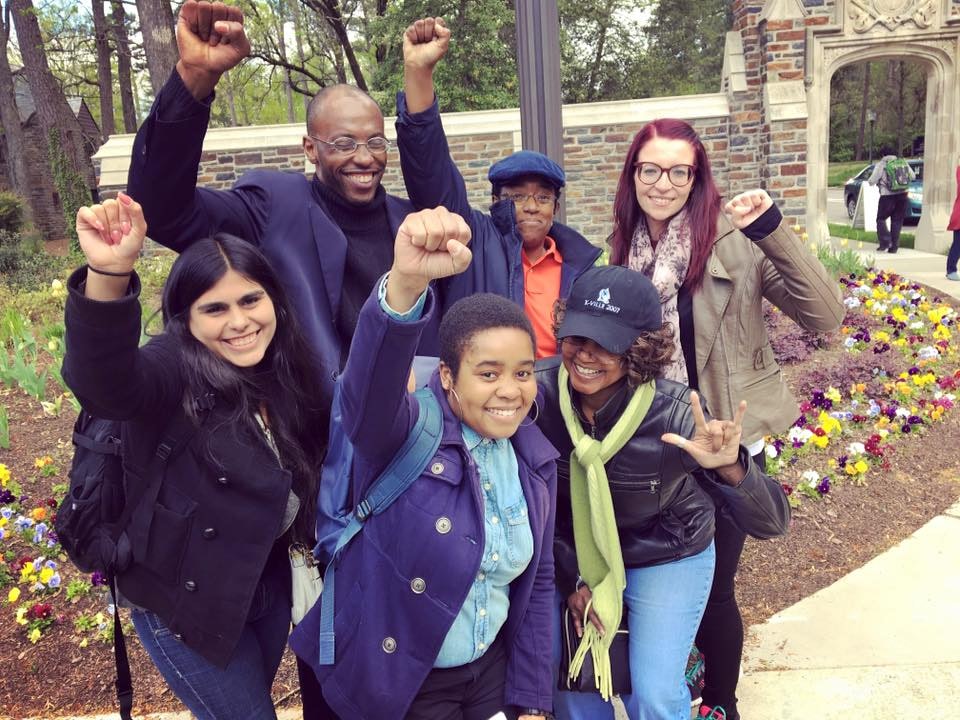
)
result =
(519, 251)
(329, 237)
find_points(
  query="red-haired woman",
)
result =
(712, 272)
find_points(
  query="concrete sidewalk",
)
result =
(925, 267)
(882, 642)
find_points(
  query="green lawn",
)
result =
(845, 231)
(838, 173)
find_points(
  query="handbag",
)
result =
(585, 682)
(306, 581)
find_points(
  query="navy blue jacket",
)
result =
(389, 629)
(276, 211)
(432, 179)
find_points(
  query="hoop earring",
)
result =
(536, 414)
(459, 412)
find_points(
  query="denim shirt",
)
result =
(507, 550)
(508, 540)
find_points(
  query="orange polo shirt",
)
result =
(541, 288)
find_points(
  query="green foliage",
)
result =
(4, 429)
(76, 589)
(11, 212)
(71, 188)
(479, 72)
(843, 261)
(896, 91)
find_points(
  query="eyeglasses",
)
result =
(576, 343)
(521, 198)
(348, 146)
(649, 173)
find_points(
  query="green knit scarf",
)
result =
(599, 556)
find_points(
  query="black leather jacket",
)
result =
(664, 502)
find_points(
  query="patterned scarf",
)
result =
(666, 266)
(599, 556)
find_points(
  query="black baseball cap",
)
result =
(611, 305)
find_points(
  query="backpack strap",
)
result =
(123, 682)
(407, 464)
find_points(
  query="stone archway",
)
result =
(924, 31)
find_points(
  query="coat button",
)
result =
(418, 585)
(443, 525)
(223, 481)
(178, 637)
(190, 586)
(437, 468)
(389, 645)
(209, 534)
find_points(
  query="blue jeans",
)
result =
(664, 606)
(242, 688)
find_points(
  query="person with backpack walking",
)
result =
(893, 175)
(443, 601)
(954, 254)
(210, 578)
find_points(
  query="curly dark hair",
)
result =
(650, 353)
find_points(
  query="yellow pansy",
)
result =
(13, 595)
(828, 423)
(882, 336)
(46, 574)
(34, 635)
(833, 394)
(821, 441)
(861, 466)
(21, 616)
(4, 475)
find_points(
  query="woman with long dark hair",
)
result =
(712, 271)
(210, 578)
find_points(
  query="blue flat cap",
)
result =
(526, 162)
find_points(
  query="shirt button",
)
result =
(190, 586)
(481, 646)
(437, 468)
(389, 645)
(482, 576)
(418, 585)
(494, 519)
(487, 486)
(482, 613)
(443, 525)
(495, 557)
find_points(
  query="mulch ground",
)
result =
(828, 539)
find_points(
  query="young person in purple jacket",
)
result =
(444, 601)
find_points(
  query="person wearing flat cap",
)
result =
(519, 251)
(640, 464)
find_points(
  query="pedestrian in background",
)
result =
(954, 225)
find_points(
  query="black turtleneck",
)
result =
(369, 253)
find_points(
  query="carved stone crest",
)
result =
(865, 14)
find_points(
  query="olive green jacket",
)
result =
(734, 358)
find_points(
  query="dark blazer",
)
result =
(200, 551)
(661, 497)
(389, 629)
(276, 211)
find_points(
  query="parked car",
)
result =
(851, 190)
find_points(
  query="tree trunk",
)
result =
(104, 70)
(901, 81)
(858, 151)
(17, 169)
(124, 79)
(282, 47)
(159, 42)
(59, 123)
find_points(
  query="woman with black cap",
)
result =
(639, 462)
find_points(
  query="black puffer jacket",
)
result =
(661, 497)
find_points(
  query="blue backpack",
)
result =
(337, 522)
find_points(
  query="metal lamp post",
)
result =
(871, 118)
